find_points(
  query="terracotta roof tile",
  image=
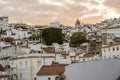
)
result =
(52, 50)
(90, 55)
(49, 50)
(60, 53)
(51, 69)
(65, 54)
(77, 54)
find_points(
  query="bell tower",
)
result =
(77, 25)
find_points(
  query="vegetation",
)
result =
(52, 35)
(77, 38)
(35, 36)
(24, 27)
(64, 38)
(1, 31)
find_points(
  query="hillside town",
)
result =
(25, 56)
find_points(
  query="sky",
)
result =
(42, 12)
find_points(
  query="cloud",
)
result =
(93, 19)
(65, 11)
(114, 5)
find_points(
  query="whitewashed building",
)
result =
(17, 33)
(51, 72)
(55, 24)
(25, 67)
(112, 30)
(111, 51)
(4, 22)
(3, 75)
(90, 57)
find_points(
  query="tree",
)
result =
(52, 35)
(1, 31)
(35, 36)
(77, 38)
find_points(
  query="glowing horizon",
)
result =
(42, 12)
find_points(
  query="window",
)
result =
(49, 78)
(39, 51)
(21, 76)
(20, 62)
(113, 49)
(117, 48)
(108, 49)
(35, 78)
(114, 56)
(104, 50)
(12, 63)
(56, 78)
(38, 63)
(25, 63)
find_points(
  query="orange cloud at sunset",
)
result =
(66, 11)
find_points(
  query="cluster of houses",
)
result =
(24, 59)
(23, 63)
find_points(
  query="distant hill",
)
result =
(108, 23)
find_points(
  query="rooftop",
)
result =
(90, 55)
(54, 69)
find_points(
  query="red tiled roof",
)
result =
(52, 50)
(55, 69)
(29, 32)
(60, 52)
(3, 76)
(90, 55)
(49, 50)
(65, 54)
(77, 54)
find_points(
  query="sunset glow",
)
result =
(65, 11)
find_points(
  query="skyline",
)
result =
(41, 12)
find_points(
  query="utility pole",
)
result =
(41, 38)
(44, 60)
(31, 69)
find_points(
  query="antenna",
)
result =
(21, 21)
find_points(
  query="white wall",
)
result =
(46, 77)
(95, 70)
(108, 51)
(10, 51)
(4, 23)
(55, 24)
(115, 31)
(23, 66)
(89, 58)
(19, 34)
